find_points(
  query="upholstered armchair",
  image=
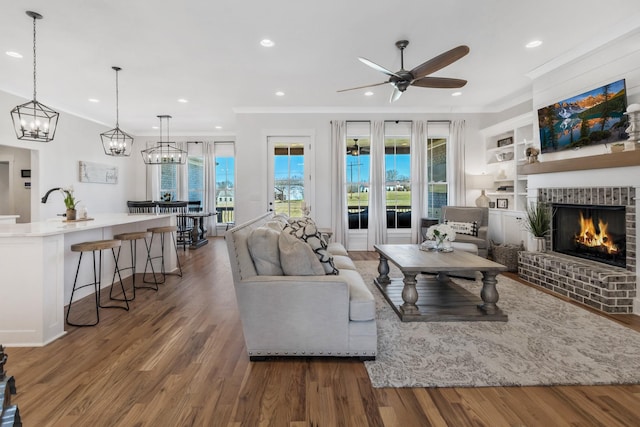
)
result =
(479, 216)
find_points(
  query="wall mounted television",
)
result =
(591, 118)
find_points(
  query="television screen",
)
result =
(593, 117)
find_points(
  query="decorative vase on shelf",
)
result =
(71, 214)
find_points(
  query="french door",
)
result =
(289, 175)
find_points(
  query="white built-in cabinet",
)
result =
(505, 146)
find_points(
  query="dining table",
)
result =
(199, 232)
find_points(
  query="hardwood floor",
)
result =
(178, 359)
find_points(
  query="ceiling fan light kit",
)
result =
(34, 121)
(418, 76)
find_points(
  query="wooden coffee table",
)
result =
(434, 297)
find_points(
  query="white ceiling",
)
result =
(208, 52)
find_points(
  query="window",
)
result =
(168, 182)
(397, 161)
(288, 178)
(225, 181)
(438, 187)
(195, 176)
(357, 173)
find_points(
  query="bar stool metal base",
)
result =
(162, 231)
(92, 247)
(132, 238)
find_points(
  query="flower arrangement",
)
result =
(69, 201)
(441, 233)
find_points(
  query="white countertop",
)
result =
(59, 226)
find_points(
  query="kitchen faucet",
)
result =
(46, 195)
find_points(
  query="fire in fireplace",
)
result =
(591, 232)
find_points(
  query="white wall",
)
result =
(251, 153)
(55, 164)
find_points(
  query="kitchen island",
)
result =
(37, 269)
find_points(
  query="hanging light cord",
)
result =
(34, 58)
(117, 103)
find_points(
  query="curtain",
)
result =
(456, 159)
(418, 178)
(377, 232)
(209, 199)
(153, 178)
(339, 214)
(182, 174)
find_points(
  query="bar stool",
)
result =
(132, 238)
(162, 231)
(93, 247)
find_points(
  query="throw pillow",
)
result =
(263, 247)
(297, 258)
(310, 234)
(469, 228)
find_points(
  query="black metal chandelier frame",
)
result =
(33, 121)
(164, 152)
(117, 142)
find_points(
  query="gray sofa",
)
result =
(310, 315)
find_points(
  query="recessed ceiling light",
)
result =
(182, 100)
(13, 54)
(369, 93)
(93, 100)
(155, 127)
(279, 93)
(456, 94)
(218, 127)
(267, 43)
(533, 43)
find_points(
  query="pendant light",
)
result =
(164, 152)
(34, 121)
(116, 142)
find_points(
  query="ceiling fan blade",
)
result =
(439, 82)
(395, 95)
(439, 62)
(378, 67)
(362, 87)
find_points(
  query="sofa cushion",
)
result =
(362, 305)
(297, 258)
(336, 248)
(342, 261)
(263, 247)
(308, 232)
(468, 228)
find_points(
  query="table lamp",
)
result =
(482, 182)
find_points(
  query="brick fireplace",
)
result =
(606, 287)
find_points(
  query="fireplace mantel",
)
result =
(601, 161)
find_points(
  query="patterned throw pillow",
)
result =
(306, 230)
(469, 228)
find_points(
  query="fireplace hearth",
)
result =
(600, 225)
(592, 232)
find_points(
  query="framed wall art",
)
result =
(502, 203)
(98, 173)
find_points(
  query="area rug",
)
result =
(546, 341)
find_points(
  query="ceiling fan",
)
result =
(356, 150)
(401, 80)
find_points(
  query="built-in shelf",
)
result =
(602, 161)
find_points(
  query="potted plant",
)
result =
(538, 223)
(70, 203)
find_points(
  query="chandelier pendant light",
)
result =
(164, 152)
(34, 121)
(117, 142)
